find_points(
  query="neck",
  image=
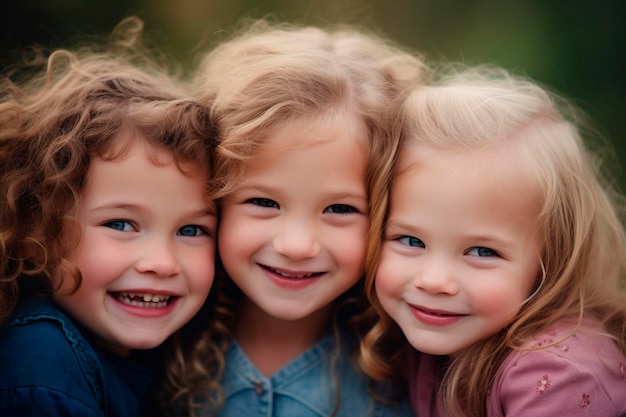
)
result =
(271, 343)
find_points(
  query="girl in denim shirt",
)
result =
(305, 142)
(106, 229)
(503, 258)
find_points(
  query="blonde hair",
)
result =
(584, 247)
(55, 122)
(269, 74)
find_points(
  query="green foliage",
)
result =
(573, 46)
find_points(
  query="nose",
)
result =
(297, 239)
(437, 275)
(158, 257)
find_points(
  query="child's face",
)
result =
(146, 251)
(461, 248)
(293, 236)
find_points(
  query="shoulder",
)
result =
(44, 355)
(38, 311)
(581, 375)
(40, 401)
(43, 329)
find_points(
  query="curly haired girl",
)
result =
(106, 229)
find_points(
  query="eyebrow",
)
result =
(269, 190)
(116, 206)
(402, 226)
(209, 211)
(492, 241)
(255, 187)
(480, 239)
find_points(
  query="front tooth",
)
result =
(147, 298)
(291, 275)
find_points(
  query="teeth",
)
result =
(276, 271)
(143, 300)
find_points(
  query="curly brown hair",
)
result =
(53, 123)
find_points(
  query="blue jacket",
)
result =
(48, 368)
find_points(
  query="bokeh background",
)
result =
(575, 46)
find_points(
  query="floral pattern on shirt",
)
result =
(562, 373)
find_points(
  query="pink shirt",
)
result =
(582, 376)
(423, 384)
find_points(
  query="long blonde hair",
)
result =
(268, 74)
(584, 246)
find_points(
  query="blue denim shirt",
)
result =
(47, 368)
(303, 388)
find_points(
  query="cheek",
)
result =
(200, 270)
(498, 299)
(94, 262)
(389, 280)
(239, 240)
(349, 246)
(234, 234)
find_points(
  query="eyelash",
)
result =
(263, 202)
(110, 224)
(333, 208)
(199, 230)
(414, 242)
(482, 248)
(407, 240)
(344, 209)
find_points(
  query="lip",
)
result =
(140, 308)
(290, 279)
(432, 317)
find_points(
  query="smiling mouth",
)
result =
(288, 275)
(143, 300)
(437, 313)
(437, 318)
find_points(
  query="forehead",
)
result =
(307, 139)
(295, 148)
(129, 142)
(457, 197)
(144, 174)
(497, 174)
(342, 125)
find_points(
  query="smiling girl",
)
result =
(304, 119)
(107, 231)
(503, 258)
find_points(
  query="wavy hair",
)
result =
(54, 122)
(584, 246)
(268, 74)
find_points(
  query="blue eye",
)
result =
(121, 225)
(481, 251)
(191, 230)
(263, 202)
(340, 209)
(411, 241)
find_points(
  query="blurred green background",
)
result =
(575, 46)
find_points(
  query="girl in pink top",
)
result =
(502, 257)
